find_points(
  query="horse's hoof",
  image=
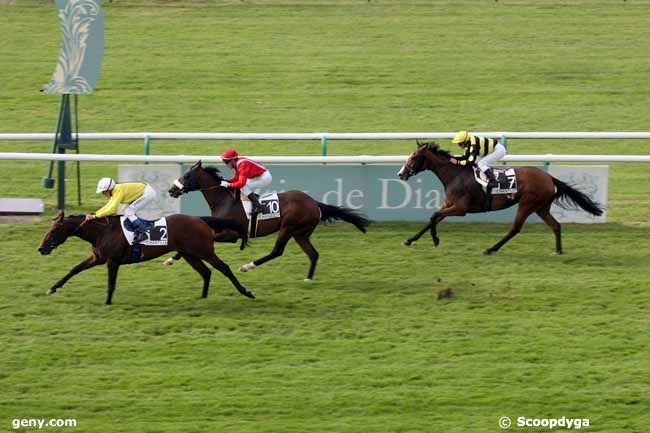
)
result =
(51, 291)
(487, 252)
(168, 262)
(407, 243)
(436, 241)
(249, 295)
(308, 280)
(556, 253)
(246, 267)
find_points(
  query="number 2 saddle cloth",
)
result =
(156, 231)
(505, 176)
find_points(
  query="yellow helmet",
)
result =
(460, 137)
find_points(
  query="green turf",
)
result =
(367, 346)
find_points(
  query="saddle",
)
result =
(505, 177)
(156, 231)
(270, 209)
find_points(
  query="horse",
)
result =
(191, 236)
(537, 191)
(299, 214)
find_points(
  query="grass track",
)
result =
(367, 346)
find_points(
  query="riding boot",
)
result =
(255, 201)
(139, 231)
(492, 181)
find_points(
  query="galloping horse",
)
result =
(537, 190)
(191, 236)
(299, 214)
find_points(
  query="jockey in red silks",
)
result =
(248, 175)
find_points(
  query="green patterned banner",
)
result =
(82, 47)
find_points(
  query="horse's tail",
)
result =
(566, 195)
(227, 224)
(331, 213)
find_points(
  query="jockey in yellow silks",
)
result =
(480, 151)
(136, 195)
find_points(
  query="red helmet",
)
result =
(229, 154)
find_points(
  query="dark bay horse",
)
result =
(191, 236)
(299, 214)
(537, 190)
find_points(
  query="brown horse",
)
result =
(537, 190)
(299, 214)
(191, 236)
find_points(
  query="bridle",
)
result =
(418, 165)
(178, 184)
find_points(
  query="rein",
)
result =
(232, 194)
(83, 223)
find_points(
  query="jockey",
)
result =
(248, 175)
(480, 150)
(136, 194)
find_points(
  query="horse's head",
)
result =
(423, 157)
(196, 178)
(55, 236)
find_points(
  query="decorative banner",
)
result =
(82, 47)
(375, 190)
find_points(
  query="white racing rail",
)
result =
(322, 135)
(392, 159)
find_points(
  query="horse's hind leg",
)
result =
(203, 270)
(222, 267)
(545, 215)
(278, 250)
(520, 218)
(306, 245)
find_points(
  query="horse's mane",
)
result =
(433, 147)
(214, 172)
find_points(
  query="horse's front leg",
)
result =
(447, 210)
(419, 234)
(170, 261)
(86, 264)
(113, 267)
(278, 249)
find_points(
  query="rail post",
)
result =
(147, 145)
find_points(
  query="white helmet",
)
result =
(105, 183)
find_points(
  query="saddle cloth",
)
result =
(506, 180)
(156, 231)
(270, 203)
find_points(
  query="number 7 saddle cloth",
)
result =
(505, 176)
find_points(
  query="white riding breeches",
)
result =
(485, 162)
(148, 195)
(260, 181)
